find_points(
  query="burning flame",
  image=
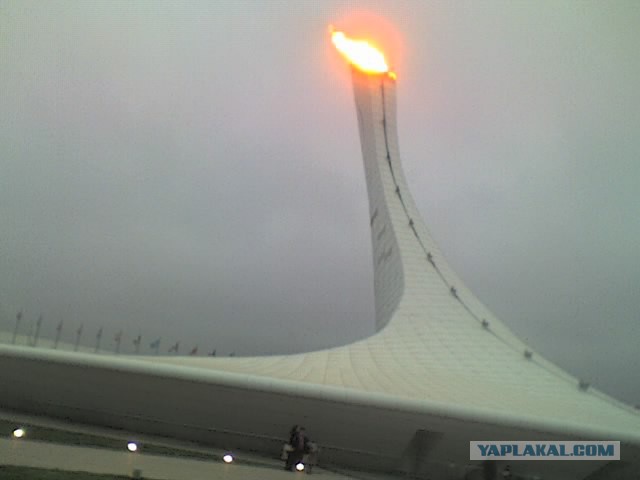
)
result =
(360, 54)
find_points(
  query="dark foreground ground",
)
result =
(29, 473)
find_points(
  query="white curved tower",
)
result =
(440, 371)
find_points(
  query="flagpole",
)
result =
(29, 334)
(78, 335)
(37, 334)
(58, 332)
(98, 338)
(15, 330)
(118, 340)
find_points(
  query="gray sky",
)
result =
(193, 171)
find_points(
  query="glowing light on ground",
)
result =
(228, 458)
(19, 432)
(132, 447)
(300, 467)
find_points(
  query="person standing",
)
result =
(287, 448)
(290, 448)
(298, 442)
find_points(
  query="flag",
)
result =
(175, 347)
(99, 334)
(136, 342)
(194, 351)
(19, 315)
(118, 337)
(79, 331)
(213, 353)
(39, 321)
(155, 344)
(59, 327)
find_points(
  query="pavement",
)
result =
(47, 455)
(70, 458)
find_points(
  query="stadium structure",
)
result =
(441, 370)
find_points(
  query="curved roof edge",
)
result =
(315, 391)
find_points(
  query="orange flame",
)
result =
(360, 54)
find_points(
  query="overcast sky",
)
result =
(192, 171)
